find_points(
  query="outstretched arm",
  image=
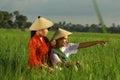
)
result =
(88, 44)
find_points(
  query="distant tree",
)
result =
(118, 28)
(20, 20)
(114, 29)
(1, 16)
(94, 28)
(60, 23)
(28, 24)
(5, 17)
(16, 13)
(64, 23)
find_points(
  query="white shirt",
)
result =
(71, 48)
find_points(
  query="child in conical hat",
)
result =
(63, 49)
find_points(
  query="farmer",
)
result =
(60, 53)
(38, 44)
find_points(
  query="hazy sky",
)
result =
(74, 11)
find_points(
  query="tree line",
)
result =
(15, 20)
(86, 28)
(12, 20)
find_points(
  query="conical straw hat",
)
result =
(60, 33)
(40, 23)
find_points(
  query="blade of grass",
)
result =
(99, 16)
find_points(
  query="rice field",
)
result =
(98, 63)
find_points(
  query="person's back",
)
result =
(37, 46)
(38, 50)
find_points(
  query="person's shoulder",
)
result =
(69, 44)
(34, 39)
(72, 45)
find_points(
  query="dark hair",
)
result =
(32, 33)
(47, 41)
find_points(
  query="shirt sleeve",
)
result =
(71, 48)
(54, 58)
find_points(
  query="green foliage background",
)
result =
(98, 63)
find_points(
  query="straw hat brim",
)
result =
(40, 23)
(60, 33)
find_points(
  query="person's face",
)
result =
(43, 32)
(63, 41)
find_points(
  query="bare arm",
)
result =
(88, 44)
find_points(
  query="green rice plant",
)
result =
(99, 16)
(97, 62)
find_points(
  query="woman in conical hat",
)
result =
(37, 46)
(63, 49)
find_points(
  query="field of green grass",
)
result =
(98, 63)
